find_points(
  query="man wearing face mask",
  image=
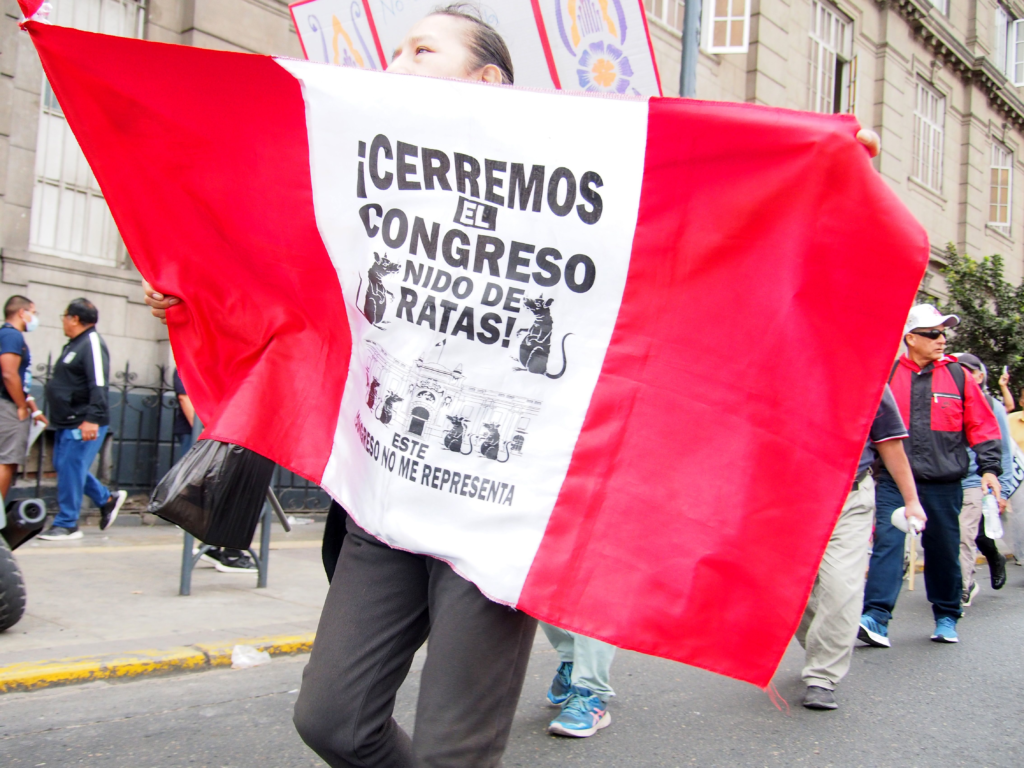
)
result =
(17, 408)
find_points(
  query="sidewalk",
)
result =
(113, 595)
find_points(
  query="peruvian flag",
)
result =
(613, 359)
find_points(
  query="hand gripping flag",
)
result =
(614, 360)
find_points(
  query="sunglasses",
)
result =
(930, 334)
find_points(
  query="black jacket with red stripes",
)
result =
(945, 412)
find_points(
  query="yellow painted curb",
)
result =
(31, 676)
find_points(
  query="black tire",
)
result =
(12, 589)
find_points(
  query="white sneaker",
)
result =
(61, 534)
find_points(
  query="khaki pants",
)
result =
(829, 626)
(971, 525)
(970, 519)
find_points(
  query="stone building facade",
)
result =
(933, 77)
(57, 240)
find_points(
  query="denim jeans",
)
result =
(72, 458)
(591, 659)
(185, 442)
(941, 542)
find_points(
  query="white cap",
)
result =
(927, 316)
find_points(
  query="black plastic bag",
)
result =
(215, 492)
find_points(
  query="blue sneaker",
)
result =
(873, 632)
(583, 714)
(561, 686)
(945, 630)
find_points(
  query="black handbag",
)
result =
(215, 492)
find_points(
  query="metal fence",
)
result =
(140, 446)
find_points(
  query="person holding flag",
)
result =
(384, 602)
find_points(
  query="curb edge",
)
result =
(33, 676)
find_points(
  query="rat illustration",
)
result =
(386, 411)
(376, 300)
(453, 439)
(492, 442)
(371, 399)
(535, 348)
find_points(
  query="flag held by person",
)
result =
(614, 359)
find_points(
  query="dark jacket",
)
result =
(945, 412)
(77, 390)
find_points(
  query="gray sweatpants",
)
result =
(829, 625)
(383, 604)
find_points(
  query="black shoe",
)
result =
(108, 512)
(819, 698)
(61, 534)
(997, 571)
(235, 562)
(969, 594)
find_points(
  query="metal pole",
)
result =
(155, 473)
(120, 429)
(187, 564)
(691, 45)
(264, 561)
(42, 437)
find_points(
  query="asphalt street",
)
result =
(918, 704)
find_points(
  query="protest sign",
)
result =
(587, 45)
(614, 359)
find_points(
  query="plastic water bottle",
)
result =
(990, 511)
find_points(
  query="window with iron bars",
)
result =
(668, 12)
(70, 218)
(833, 67)
(1000, 189)
(929, 135)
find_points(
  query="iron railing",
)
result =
(140, 445)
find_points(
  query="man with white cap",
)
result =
(945, 413)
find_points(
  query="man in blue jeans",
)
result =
(77, 397)
(945, 413)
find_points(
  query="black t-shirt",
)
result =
(12, 341)
(181, 425)
(888, 425)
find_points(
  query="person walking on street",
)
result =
(77, 397)
(582, 683)
(184, 418)
(945, 413)
(17, 407)
(972, 533)
(828, 629)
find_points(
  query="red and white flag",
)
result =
(614, 360)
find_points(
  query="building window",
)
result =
(1009, 45)
(929, 119)
(725, 26)
(832, 65)
(668, 12)
(70, 218)
(1000, 189)
(942, 5)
